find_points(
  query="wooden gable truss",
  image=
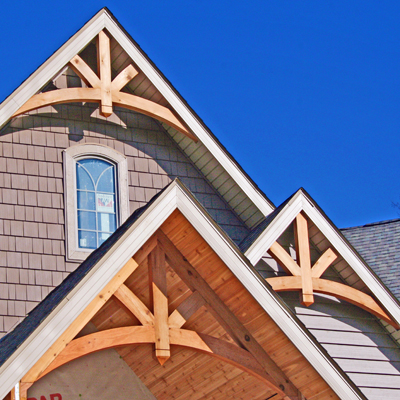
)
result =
(182, 320)
(304, 277)
(134, 82)
(103, 90)
(162, 328)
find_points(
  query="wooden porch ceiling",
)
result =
(180, 285)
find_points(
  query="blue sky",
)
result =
(303, 94)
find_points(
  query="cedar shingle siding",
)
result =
(32, 232)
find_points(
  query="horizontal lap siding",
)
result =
(356, 340)
(32, 234)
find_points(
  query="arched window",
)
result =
(97, 205)
(96, 196)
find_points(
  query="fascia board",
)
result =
(71, 307)
(51, 67)
(274, 229)
(174, 197)
(301, 202)
(354, 261)
(183, 111)
(74, 45)
(270, 303)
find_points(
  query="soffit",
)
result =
(67, 302)
(189, 374)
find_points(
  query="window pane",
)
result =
(87, 240)
(105, 202)
(106, 181)
(96, 201)
(87, 220)
(106, 222)
(83, 180)
(86, 200)
(103, 237)
(95, 167)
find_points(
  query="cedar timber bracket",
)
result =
(105, 91)
(163, 329)
(306, 278)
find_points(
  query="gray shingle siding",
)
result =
(356, 340)
(32, 232)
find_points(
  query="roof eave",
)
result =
(105, 20)
(302, 201)
(176, 196)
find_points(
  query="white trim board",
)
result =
(301, 202)
(103, 20)
(174, 197)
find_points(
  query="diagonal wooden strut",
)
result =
(134, 305)
(104, 91)
(57, 347)
(307, 279)
(224, 316)
(303, 267)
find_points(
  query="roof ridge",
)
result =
(388, 221)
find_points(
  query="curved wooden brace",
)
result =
(130, 335)
(354, 296)
(129, 101)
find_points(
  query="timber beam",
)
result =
(224, 316)
(105, 91)
(131, 335)
(306, 279)
(96, 304)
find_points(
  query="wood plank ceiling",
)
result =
(194, 375)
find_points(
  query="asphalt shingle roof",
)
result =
(10, 342)
(379, 244)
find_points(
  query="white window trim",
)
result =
(73, 252)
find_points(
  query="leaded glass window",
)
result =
(97, 213)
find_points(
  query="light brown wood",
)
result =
(23, 390)
(223, 315)
(157, 269)
(100, 341)
(282, 257)
(185, 310)
(151, 109)
(336, 289)
(76, 326)
(304, 258)
(321, 265)
(135, 305)
(123, 78)
(73, 95)
(187, 338)
(8, 397)
(85, 72)
(124, 336)
(70, 95)
(158, 290)
(161, 325)
(142, 254)
(104, 91)
(104, 66)
(12, 394)
(238, 356)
